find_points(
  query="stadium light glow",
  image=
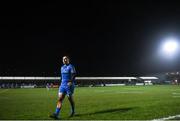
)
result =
(169, 48)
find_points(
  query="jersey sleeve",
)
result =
(73, 71)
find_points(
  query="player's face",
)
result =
(65, 60)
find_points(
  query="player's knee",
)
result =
(60, 99)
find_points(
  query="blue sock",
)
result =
(57, 111)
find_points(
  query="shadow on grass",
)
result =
(116, 110)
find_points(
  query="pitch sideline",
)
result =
(167, 118)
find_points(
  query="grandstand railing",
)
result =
(77, 78)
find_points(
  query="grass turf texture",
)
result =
(121, 102)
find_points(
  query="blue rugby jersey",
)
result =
(66, 74)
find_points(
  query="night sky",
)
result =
(103, 38)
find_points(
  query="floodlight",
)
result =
(169, 47)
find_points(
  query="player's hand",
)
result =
(69, 83)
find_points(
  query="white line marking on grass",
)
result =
(3, 91)
(176, 96)
(101, 91)
(175, 93)
(132, 92)
(167, 118)
(125, 92)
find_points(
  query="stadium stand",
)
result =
(32, 82)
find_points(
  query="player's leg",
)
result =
(70, 92)
(71, 100)
(61, 96)
(59, 103)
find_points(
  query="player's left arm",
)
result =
(73, 75)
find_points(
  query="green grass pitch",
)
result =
(121, 102)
